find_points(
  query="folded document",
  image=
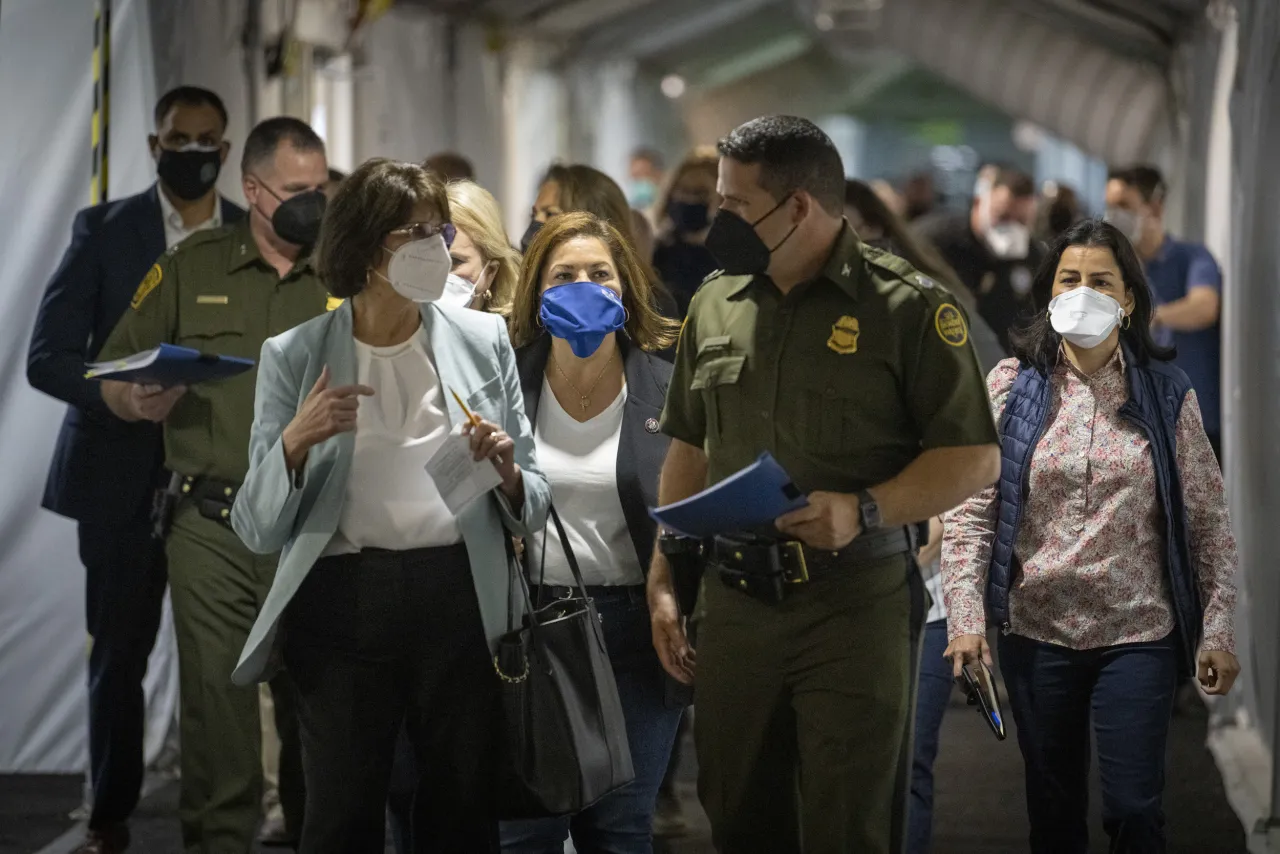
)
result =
(757, 495)
(460, 478)
(168, 365)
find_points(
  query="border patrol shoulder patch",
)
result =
(950, 325)
(149, 284)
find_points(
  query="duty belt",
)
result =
(213, 497)
(766, 568)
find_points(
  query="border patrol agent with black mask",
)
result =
(224, 291)
(855, 372)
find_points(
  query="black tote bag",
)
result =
(564, 739)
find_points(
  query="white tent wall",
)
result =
(44, 180)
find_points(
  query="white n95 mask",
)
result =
(457, 291)
(419, 270)
(1085, 317)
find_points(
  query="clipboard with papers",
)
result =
(168, 365)
(756, 495)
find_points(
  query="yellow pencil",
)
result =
(475, 422)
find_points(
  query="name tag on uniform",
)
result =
(210, 299)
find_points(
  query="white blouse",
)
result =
(391, 502)
(580, 461)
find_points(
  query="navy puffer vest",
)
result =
(1156, 392)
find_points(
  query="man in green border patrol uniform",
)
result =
(224, 291)
(855, 372)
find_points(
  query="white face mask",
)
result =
(1085, 317)
(457, 292)
(1127, 222)
(419, 270)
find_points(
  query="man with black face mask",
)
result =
(104, 470)
(224, 291)
(855, 372)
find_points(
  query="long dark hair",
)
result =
(920, 254)
(1037, 344)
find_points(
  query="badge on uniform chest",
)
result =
(844, 336)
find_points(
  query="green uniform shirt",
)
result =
(215, 293)
(844, 381)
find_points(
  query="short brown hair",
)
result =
(647, 328)
(373, 200)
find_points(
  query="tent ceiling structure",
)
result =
(1092, 71)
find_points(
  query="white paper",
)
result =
(457, 474)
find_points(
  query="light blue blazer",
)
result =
(472, 356)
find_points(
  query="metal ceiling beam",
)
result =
(668, 24)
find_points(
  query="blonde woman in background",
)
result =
(482, 254)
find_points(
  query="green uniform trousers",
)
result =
(803, 712)
(216, 588)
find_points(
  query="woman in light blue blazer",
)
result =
(386, 605)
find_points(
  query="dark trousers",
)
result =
(124, 590)
(1128, 690)
(621, 823)
(932, 695)
(374, 642)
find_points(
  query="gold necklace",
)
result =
(583, 399)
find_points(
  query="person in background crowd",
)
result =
(646, 173)
(991, 247)
(643, 232)
(105, 470)
(685, 210)
(1186, 281)
(1104, 555)
(920, 197)
(451, 166)
(877, 225)
(578, 187)
(880, 227)
(892, 199)
(798, 737)
(387, 616)
(224, 291)
(481, 254)
(585, 333)
(1058, 211)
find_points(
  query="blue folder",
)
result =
(755, 496)
(169, 365)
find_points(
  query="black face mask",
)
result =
(297, 219)
(688, 217)
(736, 246)
(530, 233)
(189, 174)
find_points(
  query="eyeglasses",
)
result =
(423, 230)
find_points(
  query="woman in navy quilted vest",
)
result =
(1104, 555)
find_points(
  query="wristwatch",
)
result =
(868, 512)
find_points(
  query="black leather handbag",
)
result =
(564, 739)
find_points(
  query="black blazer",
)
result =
(641, 447)
(103, 469)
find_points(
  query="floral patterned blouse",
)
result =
(1091, 542)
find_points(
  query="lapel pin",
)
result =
(651, 426)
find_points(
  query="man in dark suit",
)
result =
(105, 471)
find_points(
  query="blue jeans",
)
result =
(932, 696)
(1129, 692)
(622, 822)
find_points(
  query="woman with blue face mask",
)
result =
(685, 211)
(585, 333)
(1104, 555)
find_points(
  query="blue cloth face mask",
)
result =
(582, 313)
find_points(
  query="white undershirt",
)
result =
(391, 502)
(580, 460)
(175, 231)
